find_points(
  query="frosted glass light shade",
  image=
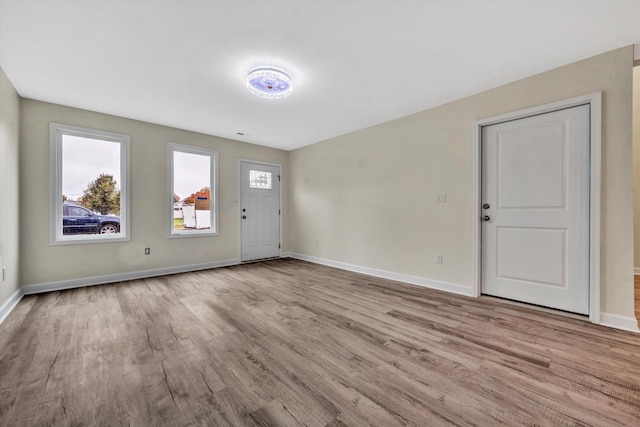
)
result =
(269, 83)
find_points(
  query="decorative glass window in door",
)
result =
(260, 179)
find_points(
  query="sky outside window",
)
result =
(84, 159)
(191, 172)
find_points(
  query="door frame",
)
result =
(239, 206)
(594, 100)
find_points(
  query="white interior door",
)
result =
(535, 195)
(259, 211)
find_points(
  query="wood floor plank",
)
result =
(285, 342)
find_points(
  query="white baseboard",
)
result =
(37, 288)
(619, 322)
(636, 270)
(10, 304)
(399, 277)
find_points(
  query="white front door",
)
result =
(535, 196)
(259, 211)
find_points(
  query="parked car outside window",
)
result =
(80, 220)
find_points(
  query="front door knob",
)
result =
(486, 218)
(244, 217)
(486, 206)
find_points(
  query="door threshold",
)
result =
(251, 261)
(584, 317)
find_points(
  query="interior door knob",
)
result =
(486, 218)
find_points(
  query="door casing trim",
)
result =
(239, 207)
(594, 100)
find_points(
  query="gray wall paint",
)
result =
(9, 196)
(41, 263)
(368, 198)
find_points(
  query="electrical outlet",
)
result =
(441, 198)
(147, 251)
(438, 258)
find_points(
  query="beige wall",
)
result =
(41, 263)
(368, 198)
(9, 196)
(636, 164)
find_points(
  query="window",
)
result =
(88, 186)
(260, 179)
(193, 189)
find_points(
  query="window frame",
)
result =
(56, 133)
(213, 178)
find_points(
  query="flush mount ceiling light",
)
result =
(270, 83)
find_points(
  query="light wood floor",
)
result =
(291, 343)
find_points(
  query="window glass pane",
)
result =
(87, 161)
(191, 192)
(91, 178)
(259, 179)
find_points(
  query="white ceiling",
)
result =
(354, 64)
